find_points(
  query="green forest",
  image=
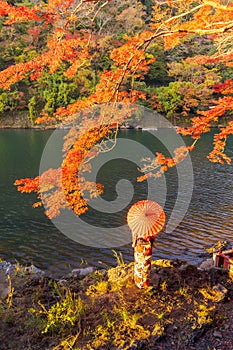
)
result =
(176, 84)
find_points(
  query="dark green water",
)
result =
(27, 236)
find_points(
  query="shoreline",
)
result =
(21, 121)
(184, 308)
(122, 128)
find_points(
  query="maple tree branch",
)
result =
(209, 31)
(199, 31)
(225, 28)
(93, 19)
(184, 13)
(114, 141)
(74, 12)
(218, 6)
(99, 9)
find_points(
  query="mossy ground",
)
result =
(105, 310)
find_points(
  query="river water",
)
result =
(28, 236)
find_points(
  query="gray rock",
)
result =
(206, 265)
(183, 267)
(4, 265)
(83, 272)
(4, 285)
(8, 267)
(33, 269)
(217, 334)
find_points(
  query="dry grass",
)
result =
(105, 310)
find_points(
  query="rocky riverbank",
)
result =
(16, 121)
(21, 120)
(184, 308)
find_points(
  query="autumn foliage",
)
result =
(76, 49)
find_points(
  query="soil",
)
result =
(184, 308)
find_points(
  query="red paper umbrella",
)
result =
(145, 219)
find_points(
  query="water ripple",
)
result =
(29, 237)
